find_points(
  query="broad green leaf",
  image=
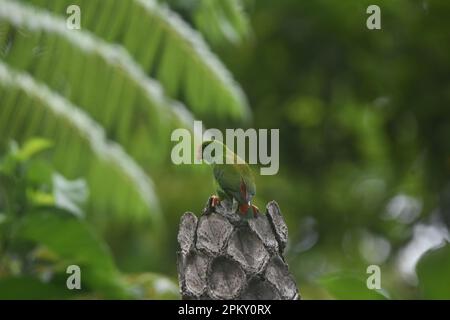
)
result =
(71, 239)
(349, 287)
(433, 271)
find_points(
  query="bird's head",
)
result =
(212, 152)
(202, 147)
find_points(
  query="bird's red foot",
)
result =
(243, 209)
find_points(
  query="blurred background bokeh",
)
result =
(86, 117)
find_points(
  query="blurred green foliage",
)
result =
(433, 273)
(366, 127)
(41, 235)
(364, 138)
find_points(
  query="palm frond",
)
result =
(222, 20)
(166, 47)
(29, 109)
(99, 77)
(209, 86)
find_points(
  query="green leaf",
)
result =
(33, 147)
(433, 271)
(72, 240)
(350, 287)
(28, 288)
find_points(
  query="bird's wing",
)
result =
(247, 177)
(236, 180)
(229, 179)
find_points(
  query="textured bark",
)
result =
(223, 256)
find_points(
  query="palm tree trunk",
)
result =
(223, 256)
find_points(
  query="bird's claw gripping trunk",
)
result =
(223, 256)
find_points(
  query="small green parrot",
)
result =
(233, 180)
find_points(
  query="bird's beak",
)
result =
(199, 153)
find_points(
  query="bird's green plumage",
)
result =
(229, 177)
